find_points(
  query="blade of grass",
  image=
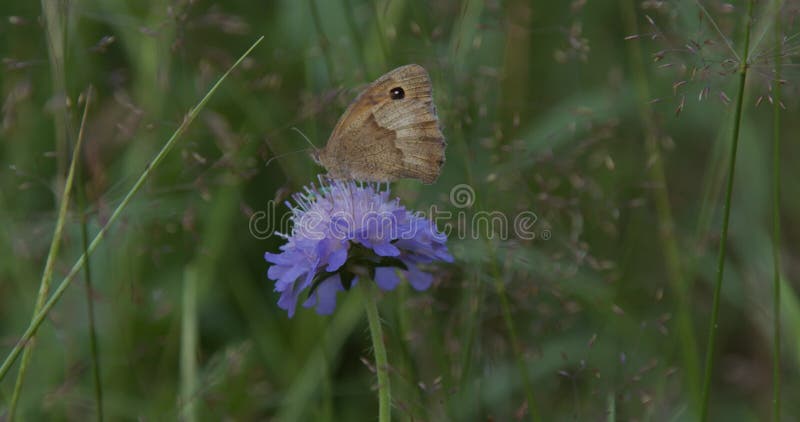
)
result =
(55, 15)
(47, 275)
(323, 39)
(666, 224)
(355, 35)
(714, 324)
(516, 347)
(465, 28)
(776, 228)
(472, 307)
(189, 345)
(199, 276)
(94, 353)
(190, 117)
(303, 390)
(464, 32)
(54, 18)
(380, 34)
(405, 331)
(611, 407)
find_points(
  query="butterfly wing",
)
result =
(389, 132)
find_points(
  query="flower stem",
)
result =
(714, 325)
(379, 348)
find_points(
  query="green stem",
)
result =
(56, 16)
(405, 330)
(500, 287)
(39, 318)
(666, 224)
(355, 34)
(94, 349)
(472, 308)
(54, 22)
(379, 348)
(47, 275)
(714, 325)
(95, 354)
(776, 228)
(380, 32)
(189, 345)
(323, 40)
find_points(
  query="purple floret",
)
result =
(341, 223)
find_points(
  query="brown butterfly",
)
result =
(389, 132)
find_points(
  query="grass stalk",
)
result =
(355, 34)
(737, 120)
(189, 345)
(380, 33)
(405, 331)
(55, 15)
(93, 348)
(666, 223)
(776, 226)
(160, 156)
(472, 307)
(500, 289)
(324, 43)
(304, 387)
(47, 275)
(379, 349)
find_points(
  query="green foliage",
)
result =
(547, 108)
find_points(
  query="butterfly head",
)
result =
(315, 153)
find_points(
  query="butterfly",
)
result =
(389, 132)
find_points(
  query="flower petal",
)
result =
(288, 301)
(419, 280)
(386, 278)
(324, 297)
(279, 259)
(288, 277)
(386, 249)
(336, 259)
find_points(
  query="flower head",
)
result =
(344, 230)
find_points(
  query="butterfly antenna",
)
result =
(304, 137)
(271, 159)
(313, 147)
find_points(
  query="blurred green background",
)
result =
(618, 146)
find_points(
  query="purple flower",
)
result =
(343, 230)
